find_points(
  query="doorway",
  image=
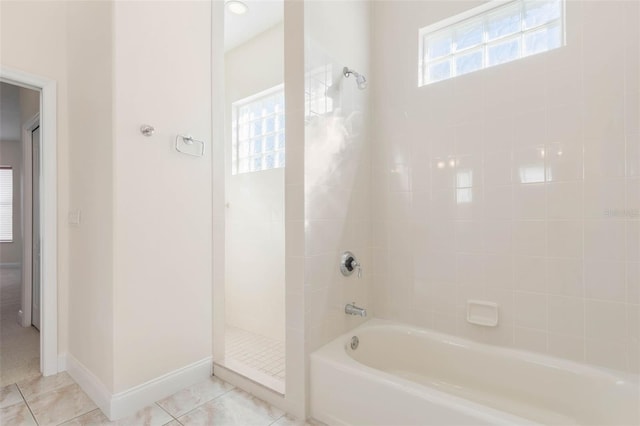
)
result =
(19, 233)
(254, 146)
(28, 255)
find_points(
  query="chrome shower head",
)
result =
(361, 81)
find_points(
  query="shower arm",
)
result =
(347, 72)
(361, 81)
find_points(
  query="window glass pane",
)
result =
(469, 62)
(243, 115)
(439, 45)
(256, 164)
(243, 149)
(440, 70)
(469, 35)
(260, 135)
(504, 52)
(503, 22)
(243, 134)
(280, 144)
(269, 105)
(256, 110)
(269, 143)
(270, 124)
(538, 12)
(269, 160)
(280, 159)
(542, 40)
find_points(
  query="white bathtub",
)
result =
(402, 375)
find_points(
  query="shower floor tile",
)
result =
(256, 357)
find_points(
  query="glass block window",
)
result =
(6, 204)
(492, 34)
(258, 132)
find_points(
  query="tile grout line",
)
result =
(200, 405)
(80, 415)
(277, 420)
(170, 415)
(27, 404)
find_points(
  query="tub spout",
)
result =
(352, 309)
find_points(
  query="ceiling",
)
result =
(262, 15)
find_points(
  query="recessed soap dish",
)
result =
(483, 313)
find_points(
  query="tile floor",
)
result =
(254, 356)
(19, 346)
(58, 400)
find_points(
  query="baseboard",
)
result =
(89, 383)
(11, 265)
(128, 402)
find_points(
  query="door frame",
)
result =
(48, 207)
(27, 215)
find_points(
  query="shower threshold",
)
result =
(258, 358)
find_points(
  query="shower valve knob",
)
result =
(349, 264)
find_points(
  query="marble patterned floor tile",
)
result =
(288, 420)
(10, 395)
(92, 418)
(254, 403)
(16, 415)
(149, 416)
(174, 423)
(60, 405)
(235, 408)
(34, 387)
(189, 398)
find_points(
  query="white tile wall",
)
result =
(337, 168)
(549, 225)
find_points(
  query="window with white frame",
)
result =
(6, 204)
(258, 141)
(491, 34)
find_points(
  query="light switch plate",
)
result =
(74, 217)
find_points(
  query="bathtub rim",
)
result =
(335, 353)
(515, 353)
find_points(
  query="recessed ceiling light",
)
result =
(237, 7)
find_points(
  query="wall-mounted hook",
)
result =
(147, 130)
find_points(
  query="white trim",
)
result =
(27, 216)
(128, 402)
(89, 383)
(49, 205)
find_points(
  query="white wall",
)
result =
(162, 214)
(565, 274)
(135, 276)
(91, 313)
(337, 167)
(254, 291)
(44, 53)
